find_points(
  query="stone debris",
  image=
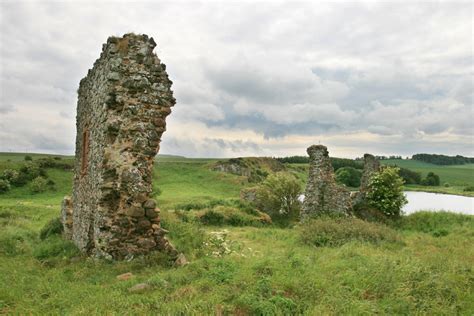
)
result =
(122, 106)
(125, 276)
(181, 260)
(323, 195)
(139, 288)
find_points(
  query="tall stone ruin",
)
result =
(323, 195)
(371, 166)
(122, 106)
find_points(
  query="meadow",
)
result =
(422, 264)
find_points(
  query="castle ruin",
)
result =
(323, 195)
(122, 106)
(371, 166)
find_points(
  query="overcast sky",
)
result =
(254, 78)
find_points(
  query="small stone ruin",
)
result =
(323, 195)
(371, 166)
(122, 106)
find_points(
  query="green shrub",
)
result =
(11, 175)
(39, 185)
(30, 171)
(212, 217)
(4, 186)
(348, 176)
(446, 185)
(229, 215)
(55, 247)
(469, 189)
(278, 196)
(28, 158)
(53, 227)
(431, 179)
(385, 192)
(333, 232)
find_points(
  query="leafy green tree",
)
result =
(278, 195)
(385, 192)
(431, 179)
(349, 176)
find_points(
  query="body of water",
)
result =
(418, 201)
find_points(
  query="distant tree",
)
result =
(385, 192)
(28, 158)
(39, 185)
(410, 176)
(349, 176)
(443, 159)
(431, 179)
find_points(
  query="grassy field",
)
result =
(458, 177)
(426, 269)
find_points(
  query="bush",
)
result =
(469, 189)
(446, 185)
(409, 176)
(431, 179)
(385, 192)
(53, 227)
(39, 185)
(349, 176)
(4, 186)
(28, 158)
(228, 215)
(11, 175)
(333, 232)
(55, 247)
(279, 195)
(30, 171)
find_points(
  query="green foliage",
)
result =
(385, 192)
(39, 185)
(435, 223)
(55, 247)
(278, 196)
(228, 215)
(431, 179)
(333, 232)
(349, 176)
(410, 176)
(53, 227)
(469, 188)
(4, 186)
(443, 159)
(28, 158)
(446, 185)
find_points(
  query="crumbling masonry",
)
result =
(371, 166)
(122, 106)
(323, 195)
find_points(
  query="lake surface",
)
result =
(418, 201)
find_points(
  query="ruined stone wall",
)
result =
(371, 166)
(122, 105)
(323, 195)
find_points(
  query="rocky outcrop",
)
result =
(255, 169)
(122, 106)
(322, 194)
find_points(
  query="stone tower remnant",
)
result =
(323, 195)
(122, 106)
(371, 166)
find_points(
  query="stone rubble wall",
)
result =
(323, 195)
(371, 166)
(122, 106)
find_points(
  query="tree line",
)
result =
(443, 159)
